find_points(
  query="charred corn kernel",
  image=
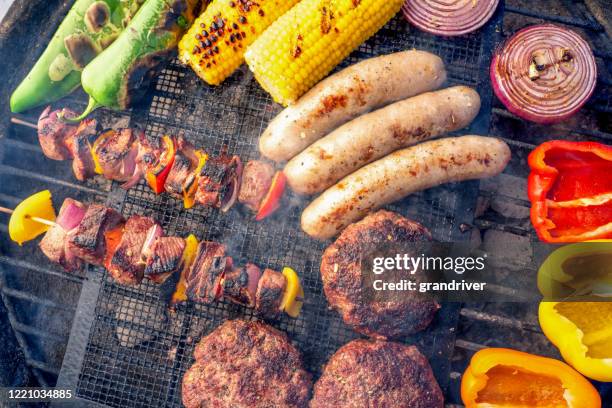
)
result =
(191, 246)
(308, 41)
(289, 303)
(215, 44)
(21, 227)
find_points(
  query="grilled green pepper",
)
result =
(89, 27)
(118, 76)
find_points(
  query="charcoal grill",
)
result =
(118, 346)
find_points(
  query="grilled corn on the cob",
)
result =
(215, 44)
(308, 41)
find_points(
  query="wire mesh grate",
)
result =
(137, 351)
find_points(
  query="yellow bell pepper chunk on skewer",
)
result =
(22, 227)
(191, 246)
(290, 304)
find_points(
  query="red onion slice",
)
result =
(254, 274)
(544, 73)
(449, 17)
(71, 214)
(156, 231)
(230, 199)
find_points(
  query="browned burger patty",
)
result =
(377, 374)
(343, 281)
(246, 364)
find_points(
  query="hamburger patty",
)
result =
(377, 374)
(343, 280)
(246, 364)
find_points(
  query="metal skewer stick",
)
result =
(22, 122)
(36, 219)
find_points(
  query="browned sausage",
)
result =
(402, 173)
(360, 88)
(379, 133)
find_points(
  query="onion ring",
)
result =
(449, 17)
(544, 73)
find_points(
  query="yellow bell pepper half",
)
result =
(577, 270)
(21, 227)
(582, 331)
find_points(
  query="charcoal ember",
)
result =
(138, 321)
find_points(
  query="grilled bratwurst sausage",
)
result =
(351, 92)
(402, 173)
(379, 133)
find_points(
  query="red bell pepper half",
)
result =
(570, 189)
(271, 201)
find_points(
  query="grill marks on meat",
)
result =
(165, 258)
(117, 154)
(246, 364)
(53, 133)
(55, 242)
(343, 285)
(83, 165)
(87, 240)
(377, 374)
(240, 284)
(256, 181)
(205, 275)
(185, 163)
(270, 293)
(125, 265)
(218, 179)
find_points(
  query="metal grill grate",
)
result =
(147, 371)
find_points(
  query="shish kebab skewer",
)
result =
(137, 248)
(169, 164)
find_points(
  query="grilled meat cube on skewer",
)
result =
(240, 284)
(219, 182)
(124, 262)
(185, 162)
(87, 241)
(55, 242)
(256, 181)
(53, 133)
(206, 272)
(83, 165)
(270, 290)
(165, 258)
(116, 153)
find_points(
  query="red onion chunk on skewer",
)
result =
(449, 17)
(71, 215)
(544, 73)
(153, 233)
